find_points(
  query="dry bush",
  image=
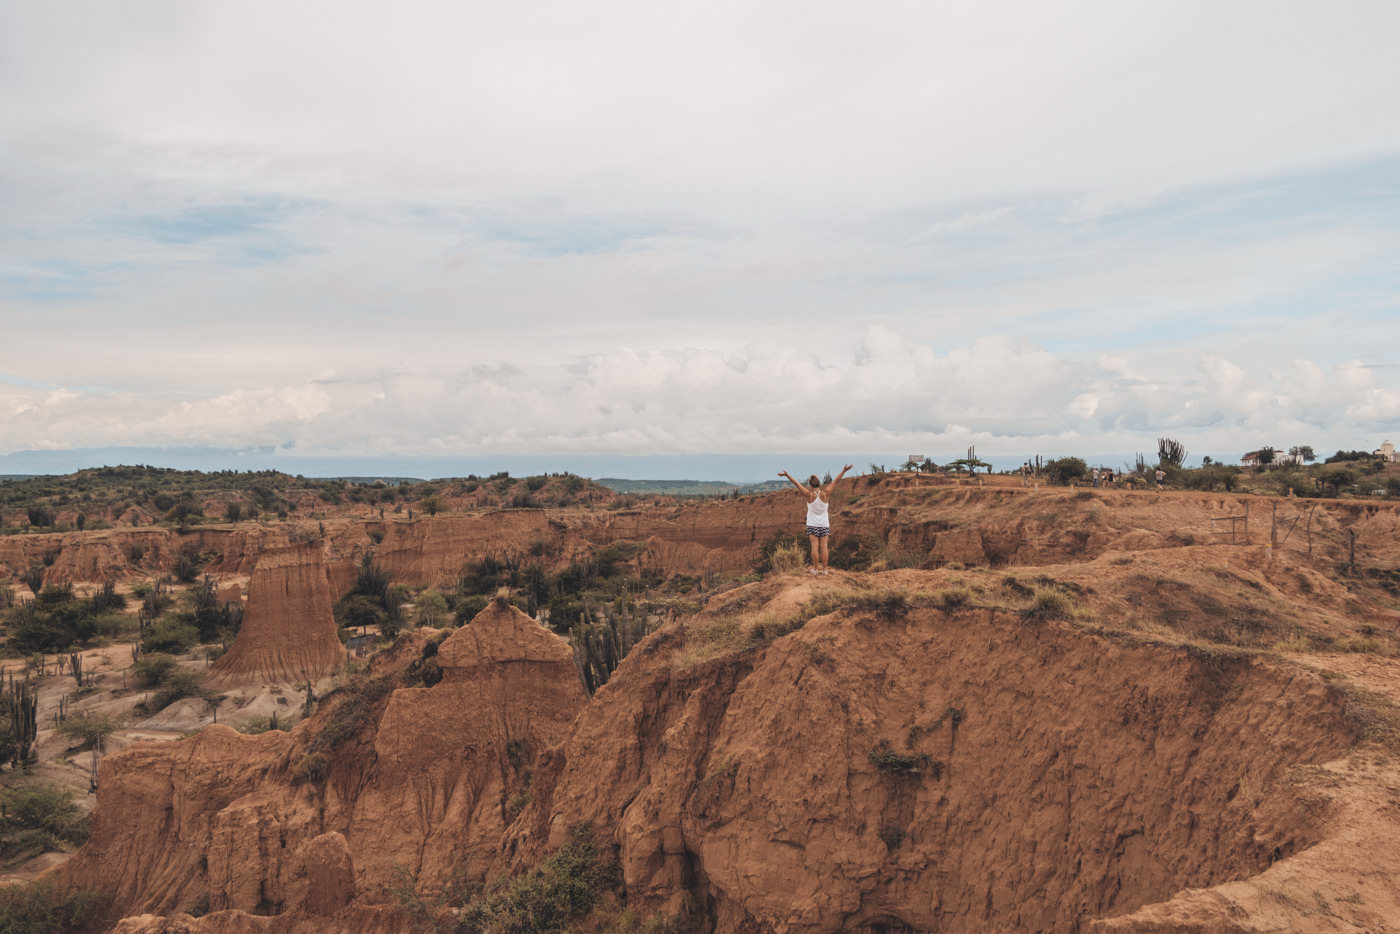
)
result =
(787, 558)
(1291, 644)
(1054, 604)
(953, 597)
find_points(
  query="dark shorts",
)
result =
(820, 531)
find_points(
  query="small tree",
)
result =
(1066, 470)
(33, 578)
(431, 607)
(1330, 480)
(1265, 455)
(1303, 452)
(39, 515)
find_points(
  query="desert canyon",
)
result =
(1014, 709)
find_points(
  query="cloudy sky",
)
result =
(683, 228)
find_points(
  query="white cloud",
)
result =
(725, 226)
(890, 393)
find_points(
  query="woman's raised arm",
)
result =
(837, 479)
(800, 488)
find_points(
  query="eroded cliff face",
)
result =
(449, 758)
(924, 522)
(288, 633)
(941, 771)
(882, 767)
(415, 779)
(156, 810)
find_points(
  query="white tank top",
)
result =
(816, 513)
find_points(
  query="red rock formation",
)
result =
(288, 632)
(449, 758)
(935, 772)
(156, 807)
(922, 522)
(430, 787)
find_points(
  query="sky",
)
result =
(429, 229)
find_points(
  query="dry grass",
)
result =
(1364, 645)
(1292, 644)
(787, 558)
(1054, 604)
(711, 639)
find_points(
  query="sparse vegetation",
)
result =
(38, 817)
(1053, 604)
(892, 762)
(41, 907)
(555, 896)
(356, 702)
(57, 620)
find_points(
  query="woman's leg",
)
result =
(816, 553)
(823, 540)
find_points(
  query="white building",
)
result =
(1387, 452)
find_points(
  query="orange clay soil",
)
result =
(288, 632)
(1083, 713)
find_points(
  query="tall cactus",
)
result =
(23, 705)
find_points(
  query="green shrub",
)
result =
(171, 634)
(90, 729)
(358, 611)
(431, 608)
(178, 685)
(111, 624)
(551, 897)
(53, 622)
(1066, 470)
(312, 767)
(46, 807)
(954, 597)
(152, 670)
(358, 700)
(43, 908)
(469, 606)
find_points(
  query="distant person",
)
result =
(1095, 475)
(1026, 474)
(1161, 476)
(818, 496)
(1107, 478)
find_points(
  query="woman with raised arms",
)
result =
(818, 496)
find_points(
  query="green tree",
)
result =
(359, 610)
(1303, 452)
(1331, 479)
(40, 515)
(1066, 470)
(431, 607)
